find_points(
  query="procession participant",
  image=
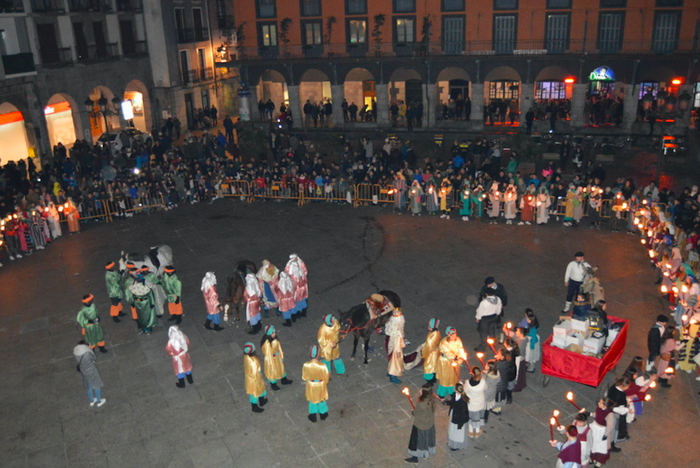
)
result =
(533, 349)
(129, 280)
(268, 276)
(654, 341)
(114, 291)
(252, 298)
(11, 236)
(415, 195)
(274, 358)
(475, 389)
(542, 204)
(494, 208)
(316, 375)
(492, 378)
(667, 350)
(527, 205)
(254, 383)
(146, 317)
(422, 441)
(509, 205)
(36, 230)
(329, 344)
(451, 351)
(445, 198)
(178, 348)
(431, 351)
(458, 418)
(72, 215)
(89, 321)
(296, 268)
(285, 297)
(154, 282)
(601, 432)
(583, 433)
(617, 394)
(465, 210)
(431, 197)
(394, 330)
(53, 219)
(173, 290)
(569, 451)
(399, 191)
(487, 316)
(87, 366)
(499, 290)
(573, 278)
(478, 200)
(211, 300)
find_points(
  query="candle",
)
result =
(479, 356)
(669, 370)
(551, 428)
(643, 241)
(664, 289)
(456, 369)
(651, 253)
(570, 397)
(490, 342)
(647, 398)
(555, 416)
(408, 395)
(509, 325)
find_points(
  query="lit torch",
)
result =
(408, 395)
(490, 342)
(551, 428)
(479, 356)
(570, 397)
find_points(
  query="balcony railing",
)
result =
(225, 23)
(18, 64)
(129, 5)
(89, 5)
(93, 52)
(48, 6)
(187, 35)
(59, 57)
(419, 49)
(11, 6)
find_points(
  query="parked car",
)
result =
(124, 138)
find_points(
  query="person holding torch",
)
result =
(569, 451)
(451, 351)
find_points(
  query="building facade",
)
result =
(632, 56)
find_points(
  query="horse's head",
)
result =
(345, 322)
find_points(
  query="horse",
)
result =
(156, 260)
(236, 287)
(361, 323)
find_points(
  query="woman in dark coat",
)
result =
(422, 442)
(459, 417)
(87, 366)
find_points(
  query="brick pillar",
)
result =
(295, 105)
(578, 104)
(477, 103)
(337, 95)
(382, 91)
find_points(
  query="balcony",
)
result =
(357, 50)
(48, 6)
(18, 64)
(129, 5)
(225, 23)
(312, 50)
(134, 48)
(11, 6)
(189, 35)
(59, 57)
(89, 5)
(93, 52)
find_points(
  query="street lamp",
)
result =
(104, 112)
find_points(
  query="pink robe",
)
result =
(252, 305)
(301, 289)
(286, 301)
(211, 299)
(181, 362)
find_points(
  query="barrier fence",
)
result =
(108, 210)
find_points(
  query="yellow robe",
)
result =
(444, 193)
(254, 384)
(450, 351)
(396, 364)
(274, 356)
(316, 392)
(431, 353)
(328, 342)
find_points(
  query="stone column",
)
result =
(295, 105)
(337, 95)
(629, 112)
(382, 91)
(254, 114)
(683, 120)
(429, 110)
(578, 104)
(527, 95)
(477, 114)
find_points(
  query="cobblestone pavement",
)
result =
(437, 266)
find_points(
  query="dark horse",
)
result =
(236, 287)
(358, 321)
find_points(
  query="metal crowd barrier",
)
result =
(235, 189)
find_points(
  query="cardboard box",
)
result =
(559, 342)
(561, 329)
(612, 334)
(576, 338)
(575, 348)
(579, 325)
(594, 343)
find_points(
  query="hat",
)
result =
(489, 280)
(269, 330)
(249, 348)
(328, 320)
(144, 268)
(578, 254)
(109, 265)
(314, 352)
(169, 269)
(662, 318)
(434, 324)
(449, 331)
(130, 265)
(87, 298)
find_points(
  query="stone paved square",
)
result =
(437, 267)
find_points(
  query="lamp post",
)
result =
(104, 112)
(661, 98)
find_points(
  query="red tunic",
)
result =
(286, 300)
(526, 208)
(252, 305)
(181, 361)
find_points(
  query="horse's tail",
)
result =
(392, 296)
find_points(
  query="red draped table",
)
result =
(580, 368)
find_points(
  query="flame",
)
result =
(570, 396)
(643, 241)
(479, 355)
(647, 398)
(600, 190)
(652, 385)
(668, 265)
(60, 208)
(624, 205)
(555, 413)
(674, 289)
(684, 288)
(693, 321)
(509, 325)
(33, 213)
(618, 195)
(644, 202)
(454, 364)
(405, 391)
(650, 233)
(666, 273)
(636, 221)
(669, 370)
(664, 289)
(490, 341)
(552, 421)
(430, 190)
(46, 209)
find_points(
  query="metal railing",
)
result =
(187, 35)
(89, 5)
(108, 210)
(462, 48)
(129, 5)
(134, 48)
(11, 6)
(48, 6)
